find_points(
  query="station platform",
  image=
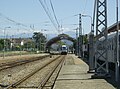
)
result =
(73, 75)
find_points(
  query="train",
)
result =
(111, 47)
(64, 50)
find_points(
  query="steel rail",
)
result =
(29, 75)
(45, 80)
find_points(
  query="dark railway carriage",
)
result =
(111, 46)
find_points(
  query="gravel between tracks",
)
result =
(38, 77)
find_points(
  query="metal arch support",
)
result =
(101, 69)
(57, 38)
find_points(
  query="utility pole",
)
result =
(91, 45)
(101, 69)
(80, 37)
(117, 64)
(76, 51)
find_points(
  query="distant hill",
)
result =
(49, 36)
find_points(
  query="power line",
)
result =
(69, 17)
(17, 23)
(54, 13)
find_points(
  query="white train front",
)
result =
(64, 50)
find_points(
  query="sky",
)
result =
(28, 16)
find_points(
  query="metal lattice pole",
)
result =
(101, 69)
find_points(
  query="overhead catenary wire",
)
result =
(66, 18)
(46, 11)
(54, 13)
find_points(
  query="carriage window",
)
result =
(64, 48)
(112, 47)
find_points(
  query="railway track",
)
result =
(43, 83)
(58, 61)
(20, 62)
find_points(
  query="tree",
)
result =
(29, 45)
(6, 45)
(39, 39)
(85, 40)
(1, 44)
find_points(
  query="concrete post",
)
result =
(91, 53)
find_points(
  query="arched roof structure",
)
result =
(59, 37)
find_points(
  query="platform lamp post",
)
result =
(91, 46)
(90, 20)
(4, 42)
